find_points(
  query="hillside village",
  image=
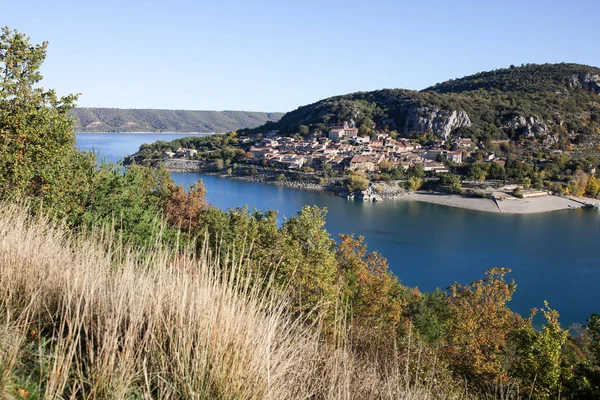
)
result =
(344, 150)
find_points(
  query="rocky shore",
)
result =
(257, 174)
(182, 165)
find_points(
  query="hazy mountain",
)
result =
(150, 120)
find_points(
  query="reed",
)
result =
(84, 316)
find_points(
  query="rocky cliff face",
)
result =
(432, 119)
(586, 80)
(530, 127)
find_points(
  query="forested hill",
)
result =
(526, 78)
(152, 120)
(551, 104)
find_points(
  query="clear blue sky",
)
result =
(278, 55)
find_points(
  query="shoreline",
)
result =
(498, 202)
(536, 205)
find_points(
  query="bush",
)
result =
(517, 193)
(357, 182)
(414, 184)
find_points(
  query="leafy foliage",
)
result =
(375, 298)
(130, 201)
(37, 156)
(540, 356)
(481, 323)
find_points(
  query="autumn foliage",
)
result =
(374, 296)
(481, 323)
(184, 209)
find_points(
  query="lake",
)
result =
(554, 256)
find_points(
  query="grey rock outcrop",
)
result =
(529, 127)
(432, 119)
(586, 80)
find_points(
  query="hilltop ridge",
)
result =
(158, 120)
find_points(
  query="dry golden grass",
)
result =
(75, 323)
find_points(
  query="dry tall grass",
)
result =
(75, 323)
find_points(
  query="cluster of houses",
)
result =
(343, 149)
(181, 152)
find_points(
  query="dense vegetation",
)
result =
(532, 78)
(143, 120)
(147, 292)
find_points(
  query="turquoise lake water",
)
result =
(554, 256)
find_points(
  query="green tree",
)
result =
(593, 328)
(430, 315)
(452, 182)
(477, 173)
(303, 130)
(308, 259)
(364, 130)
(386, 166)
(326, 167)
(416, 171)
(37, 154)
(130, 201)
(496, 171)
(540, 355)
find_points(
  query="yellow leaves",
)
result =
(593, 187)
(481, 322)
(372, 293)
(414, 183)
(577, 185)
(33, 334)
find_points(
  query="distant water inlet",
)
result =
(554, 256)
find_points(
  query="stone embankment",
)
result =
(377, 191)
(182, 165)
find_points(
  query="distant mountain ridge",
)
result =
(157, 120)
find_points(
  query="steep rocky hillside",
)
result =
(148, 120)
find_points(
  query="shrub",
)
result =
(357, 182)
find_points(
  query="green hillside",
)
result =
(552, 104)
(150, 120)
(526, 78)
